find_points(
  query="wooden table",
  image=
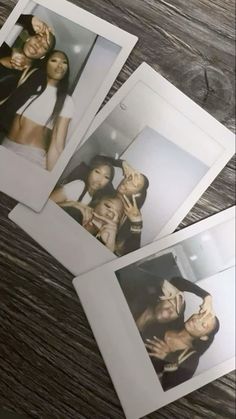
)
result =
(50, 366)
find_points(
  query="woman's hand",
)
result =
(108, 231)
(157, 348)
(85, 210)
(18, 60)
(131, 209)
(41, 28)
(206, 306)
(130, 172)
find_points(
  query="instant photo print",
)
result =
(147, 158)
(58, 62)
(162, 315)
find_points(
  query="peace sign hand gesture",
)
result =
(41, 28)
(131, 209)
(108, 230)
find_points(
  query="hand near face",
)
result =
(18, 60)
(157, 348)
(169, 290)
(129, 171)
(206, 306)
(86, 211)
(131, 209)
(108, 231)
(41, 28)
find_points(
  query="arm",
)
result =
(108, 231)
(184, 372)
(188, 286)
(58, 195)
(57, 144)
(34, 25)
(130, 239)
(26, 22)
(133, 227)
(184, 285)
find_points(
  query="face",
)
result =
(166, 311)
(199, 325)
(57, 66)
(131, 185)
(99, 178)
(111, 208)
(36, 47)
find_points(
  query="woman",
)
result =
(17, 65)
(92, 183)
(131, 192)
(176, 355)
(103, 220)
(39, 128)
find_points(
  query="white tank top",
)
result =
(41, 108)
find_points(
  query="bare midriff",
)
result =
(27, 132)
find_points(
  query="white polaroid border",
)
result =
(21, 179)
(118, 338)
(65, 239)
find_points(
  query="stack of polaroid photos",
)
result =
(102, 193)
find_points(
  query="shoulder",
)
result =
(75, 184)
(73, 189)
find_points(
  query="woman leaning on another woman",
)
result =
(44, 110)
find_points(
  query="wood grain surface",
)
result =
(50, 366)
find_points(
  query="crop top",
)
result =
(41, 108)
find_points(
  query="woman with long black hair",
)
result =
(44, 110)
(176, 354)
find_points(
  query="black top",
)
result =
(176, 372)
(143, 289)
(9, 78)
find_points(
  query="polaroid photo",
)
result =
(57, 63)
(162, 315)
(147, 158)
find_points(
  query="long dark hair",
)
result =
(34, 85)
(62, 87)
(95, 163)
(140, 197)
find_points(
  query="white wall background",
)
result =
(211, 251)
(204, 254)
(163, 162)
(160, 142)
(165, 165)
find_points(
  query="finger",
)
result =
(47, 33)
(134, 202)
(102, 218)
(153, 354)
(150, 341)
(149, 346)
(157, 340)
(127, 201)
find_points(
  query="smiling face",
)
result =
(99, 177)
(131, 185)
(57, 66)
(200, 326)
(36, 46)
(111, 208)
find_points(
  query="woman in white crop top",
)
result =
(40, 126)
